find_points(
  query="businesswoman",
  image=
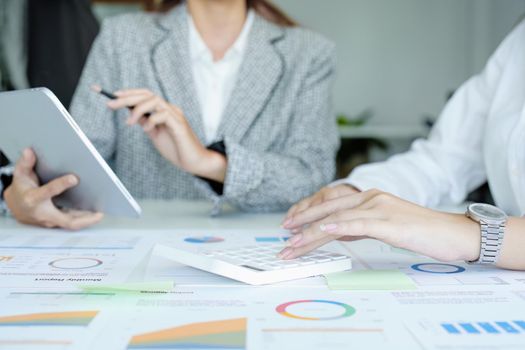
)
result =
(238, 99)
(480, 136)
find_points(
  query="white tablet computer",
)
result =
(35, 118)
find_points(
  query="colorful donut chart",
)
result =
(347, 310)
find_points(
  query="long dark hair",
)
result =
(264, 8)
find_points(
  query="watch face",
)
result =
(487, 212)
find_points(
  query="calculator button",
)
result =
(339, 257)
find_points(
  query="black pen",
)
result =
(112, 96)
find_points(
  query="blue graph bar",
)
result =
(469, 328)
(450, 328)
(499, 327)
(268, 239)
(487, 327)
(520, 324)
(507, 327)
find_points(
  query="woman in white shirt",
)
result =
(240, 109)
(479, 137)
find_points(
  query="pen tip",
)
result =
(96, 88)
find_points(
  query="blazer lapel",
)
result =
(171, 62)
(261, 69)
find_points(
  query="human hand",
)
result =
(324, 194)
(170, 133)
(32, 204)
(382, 216)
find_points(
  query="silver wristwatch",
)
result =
(492, 221)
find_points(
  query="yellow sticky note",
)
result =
(370, 280)
(135, 287)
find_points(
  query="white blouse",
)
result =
(215, 80)
(479, 136)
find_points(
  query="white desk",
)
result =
(180, 215)
(444, 300)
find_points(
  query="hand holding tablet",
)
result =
(33, 204)
(43, 180)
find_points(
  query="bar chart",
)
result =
(485, 327)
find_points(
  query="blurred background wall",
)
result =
(402, 57)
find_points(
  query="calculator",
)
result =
(257, 264)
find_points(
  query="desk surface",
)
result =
(103, 289)
(180, 215)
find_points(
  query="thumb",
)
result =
(26, 163)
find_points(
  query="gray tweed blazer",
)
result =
(278, 127)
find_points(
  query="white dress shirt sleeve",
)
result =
(449, 164)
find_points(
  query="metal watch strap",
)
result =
(491, 240)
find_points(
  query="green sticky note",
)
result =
(370, 280)
(135, 287)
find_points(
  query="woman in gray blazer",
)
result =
(273, 135)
